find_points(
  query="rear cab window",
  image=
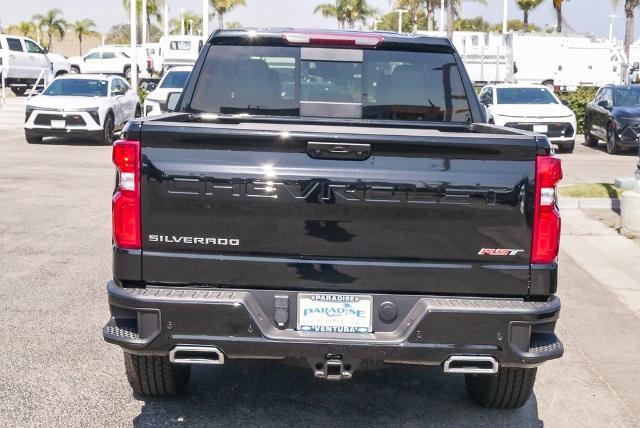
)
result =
(326, 82)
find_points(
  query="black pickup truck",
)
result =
(334, 198)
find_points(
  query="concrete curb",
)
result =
(581, 203)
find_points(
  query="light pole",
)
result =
(400, 12)
(504, 16)
(191, 27)
(205, 18)
(134, 47)
(182, 22)
(611, 18)
(144, 22)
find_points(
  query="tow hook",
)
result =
(333, 368)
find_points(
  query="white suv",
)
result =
(22, 60)
(103, 60)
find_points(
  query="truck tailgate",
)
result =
(336, 208)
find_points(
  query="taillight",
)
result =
(546, 223)
(315, 38)
(126, 200)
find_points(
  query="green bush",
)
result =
(142, 94)
(578, 101)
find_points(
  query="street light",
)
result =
(191, 27)
(134, 46)
(504, 16)
(205, 18)
(166, 18)
(144, 22)
(441, 16)
(611, 18)
(400, 12)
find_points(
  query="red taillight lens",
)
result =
(126, 200)
(546, 225)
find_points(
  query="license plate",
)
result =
(334, 313)
(540, 128)
(58, 124)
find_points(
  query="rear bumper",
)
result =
(75, 133)
(241, 323)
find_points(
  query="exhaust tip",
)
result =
(471, 364)
(188, 354)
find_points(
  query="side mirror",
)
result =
(172, 101)
(564, 102)
(604, 104)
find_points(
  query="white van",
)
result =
(180, 50)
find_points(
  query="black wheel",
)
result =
(32, 139)
(508, 389)
(107, 134)
(589, 139)
(612, 141)
(155, 376)
(567, 147)
(75, 70)
(19, 91)
(548, 82)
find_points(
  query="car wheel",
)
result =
(507, 389)
(32, 139)
(152, 375)
(75, 70)
(612, 143)
(107, 135)
(567, 147)
(589, 139)
(19, 91)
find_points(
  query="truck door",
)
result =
(18, 60)
(37, 57)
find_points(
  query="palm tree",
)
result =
(188, 17)
(222, 7)
(454, 8)
(414, 8)
(84, 28)
(431, 6)
(526, 6)
(347, 12)
(52, 24)
(153, 11)
(629, 9)
(25, 28)
(557, 5)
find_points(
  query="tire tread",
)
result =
(508, 389)
(151, 375)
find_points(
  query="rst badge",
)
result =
(499, 252)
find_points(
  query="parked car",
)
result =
(87, 106)
(333, 197)
(179, 50)
(173, 81)
(531, 108)
(22, 61)
(614, 117)
(103, 60)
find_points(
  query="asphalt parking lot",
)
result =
(57, 371)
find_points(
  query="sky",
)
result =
(585, 16)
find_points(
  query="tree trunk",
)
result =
(450, 19)
(220, 21)
(80, 40)
(628, 31)
(559, 18)
(50, 41)
(525, 21)
(429, 20)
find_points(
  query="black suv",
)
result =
(614, 116)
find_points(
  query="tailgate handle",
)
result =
(347, 151)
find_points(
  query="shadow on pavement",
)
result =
(602, 147)
(269, 394)
(71, 141)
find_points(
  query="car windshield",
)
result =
(525, 96)
(77, 87)
(627, 97)
(175, 79)
(384, 85)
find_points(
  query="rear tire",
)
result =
(151, 375)
(19, 91)
(75, 70)
(32, 139)
(566, 147)
(589, 139)
(508, 389)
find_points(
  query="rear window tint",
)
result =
(392, 85)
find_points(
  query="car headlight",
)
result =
(27, 112)
(93, 112)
